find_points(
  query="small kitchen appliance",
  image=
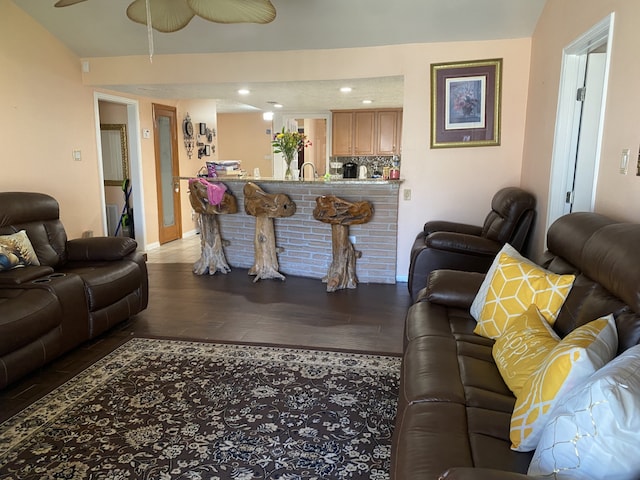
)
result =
(350, 170)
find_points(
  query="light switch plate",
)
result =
(624, 161)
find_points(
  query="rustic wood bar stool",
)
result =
(210, 200)
(340, 214)
(265, 207)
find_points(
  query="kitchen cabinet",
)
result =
(364, 123)
(389, 129)
(342, 133)
(366, 132)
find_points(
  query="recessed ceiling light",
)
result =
(367, 101)
(277, 105)
(244, 91)
(345, 89)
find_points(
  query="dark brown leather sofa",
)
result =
(454, 409)
(460, 246)
(82, 287)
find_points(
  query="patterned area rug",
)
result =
(160, 409)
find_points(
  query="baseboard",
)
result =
(190, 233)
(152, 246)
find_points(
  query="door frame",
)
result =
(567, 121)
(135, 163)
(175, 169)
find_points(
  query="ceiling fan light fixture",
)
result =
(234, 11)
(66, 3)
(166, 15)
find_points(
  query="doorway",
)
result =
(580, 121)
(132, 120)
(317, 128)
(167, 173)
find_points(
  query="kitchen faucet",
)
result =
(313, 167)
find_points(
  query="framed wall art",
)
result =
(465, 103)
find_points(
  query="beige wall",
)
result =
(444, 182)
(246, 137)
(562, 22)
(200, 111)
(45, 114)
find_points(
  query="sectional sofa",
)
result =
(458, 417)
(56, 293)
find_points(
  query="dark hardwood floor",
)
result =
(231, 308)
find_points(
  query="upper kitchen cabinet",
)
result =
(342, 133)
(389, 132)
(366, 132)
(364, 125)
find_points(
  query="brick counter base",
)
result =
(307, 242)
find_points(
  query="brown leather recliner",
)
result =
(459, 246)
(81, 288)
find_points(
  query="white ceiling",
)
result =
(98, 28)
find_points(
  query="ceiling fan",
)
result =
(173, 15)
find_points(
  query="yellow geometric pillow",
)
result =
(572, 361)
(522, 347)
(517, 283)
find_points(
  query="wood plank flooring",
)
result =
(231, 308)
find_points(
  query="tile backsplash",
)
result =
(373, 163)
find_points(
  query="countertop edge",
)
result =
(319, 181)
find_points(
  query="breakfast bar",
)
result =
(304, 243)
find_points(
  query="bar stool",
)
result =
(210, 200)
(265, 207)
(340, 214)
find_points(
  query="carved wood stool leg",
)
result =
(212, 258)
(266, 259)
(340, 214)
(342, 271)
(265, 207)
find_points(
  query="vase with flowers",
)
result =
(288, 144)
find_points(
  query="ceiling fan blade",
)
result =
(66, 3)
(166, 15)
(234, 11)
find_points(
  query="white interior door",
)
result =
(567, 170)
(583, 179)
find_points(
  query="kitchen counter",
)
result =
(338, 181)
(306, 242)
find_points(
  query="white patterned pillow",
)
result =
(594, 431)
(16, 251)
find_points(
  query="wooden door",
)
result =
(342, 133)
(165, 128)
(364, 132)
(387, 138)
